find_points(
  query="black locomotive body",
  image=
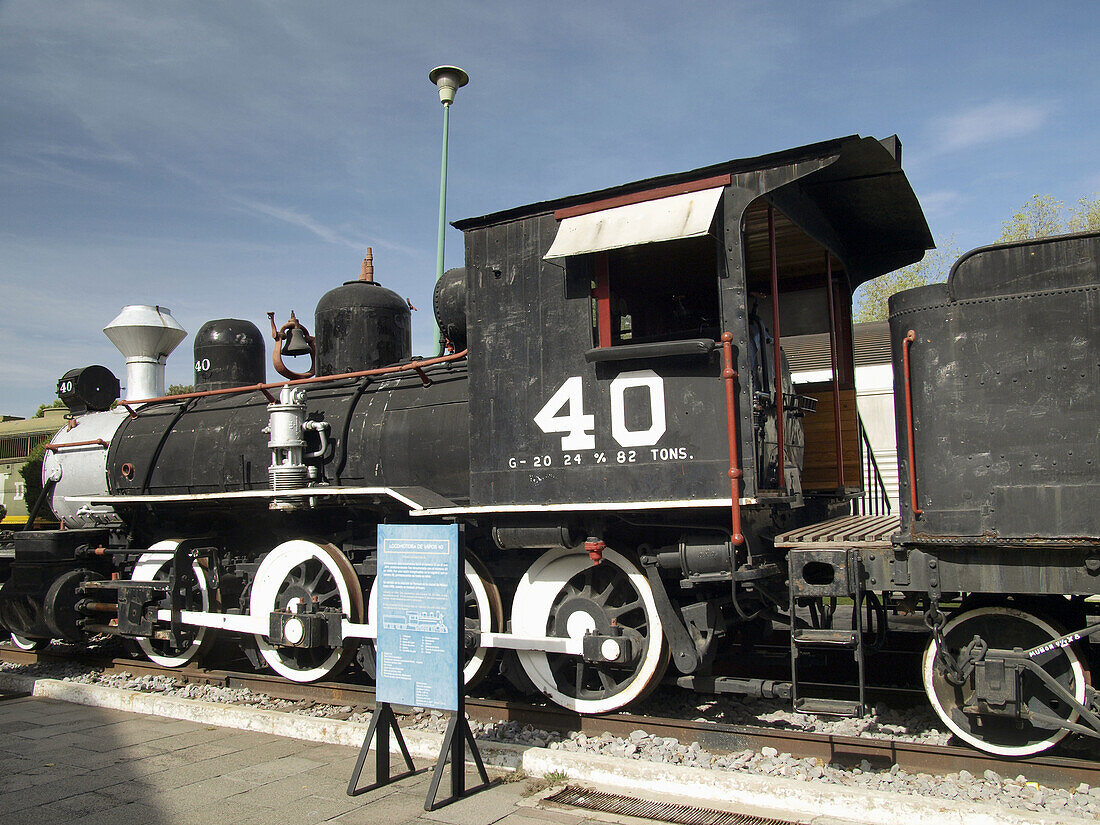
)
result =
(404, 434)
(616, 426)
(1003, 379)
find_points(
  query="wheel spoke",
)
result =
(296, 577)
(622, 610)
(586, 589)
(602, 597)
(328, 599)
(313, 584)
(608, 683)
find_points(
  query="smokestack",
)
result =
(146, 336)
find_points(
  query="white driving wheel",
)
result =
(156, 566)
(27, 644)
(299, 574)
(564, 594)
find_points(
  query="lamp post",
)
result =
(448, 79)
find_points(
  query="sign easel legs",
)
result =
(456, 739)
(382, 722)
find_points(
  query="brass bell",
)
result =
(294, 342)
(292, 339)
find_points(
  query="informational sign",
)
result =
(418, 616)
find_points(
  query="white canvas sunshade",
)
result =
(666, 219)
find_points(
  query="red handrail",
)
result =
(729, 374)
(412, 366)
(98, 442)
(910, 337)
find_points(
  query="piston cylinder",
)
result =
(696, 556)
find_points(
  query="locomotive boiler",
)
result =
(613, 420)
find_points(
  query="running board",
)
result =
(415, 499)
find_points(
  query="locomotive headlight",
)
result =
(294, 631)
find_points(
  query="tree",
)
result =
(32, 478)
(1045, 215)
(1086, 217)
(180, 389)
(1040, 216)
(871, 298)
(42, 409)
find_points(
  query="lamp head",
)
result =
(449, 79)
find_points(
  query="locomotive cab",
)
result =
(619, 403)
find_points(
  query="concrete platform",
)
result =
(79, 765)
(77, 753)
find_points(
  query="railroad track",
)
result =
(1053, 770)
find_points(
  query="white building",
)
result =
(809, 359)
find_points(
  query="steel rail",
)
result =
(716, 737)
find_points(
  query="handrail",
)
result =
(729, 375)
(686, 348)
(833, 364)
(909, 338)
(412, 366)
(875, 501)
(95, 442)
(777, 354)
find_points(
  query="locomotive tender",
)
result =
(615, 424)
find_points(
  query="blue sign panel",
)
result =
(418, 616)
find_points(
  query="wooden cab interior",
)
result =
(804, 272)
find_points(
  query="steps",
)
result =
(826, 574)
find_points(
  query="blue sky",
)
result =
(225, 159)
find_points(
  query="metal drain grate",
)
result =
(662, 811)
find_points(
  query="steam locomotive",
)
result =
(614, 422)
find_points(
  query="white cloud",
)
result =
(325, 233)
(988, 123)
(942, 203)
(298, 219)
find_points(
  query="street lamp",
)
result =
(448, 79)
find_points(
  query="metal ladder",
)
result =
(827, 573)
